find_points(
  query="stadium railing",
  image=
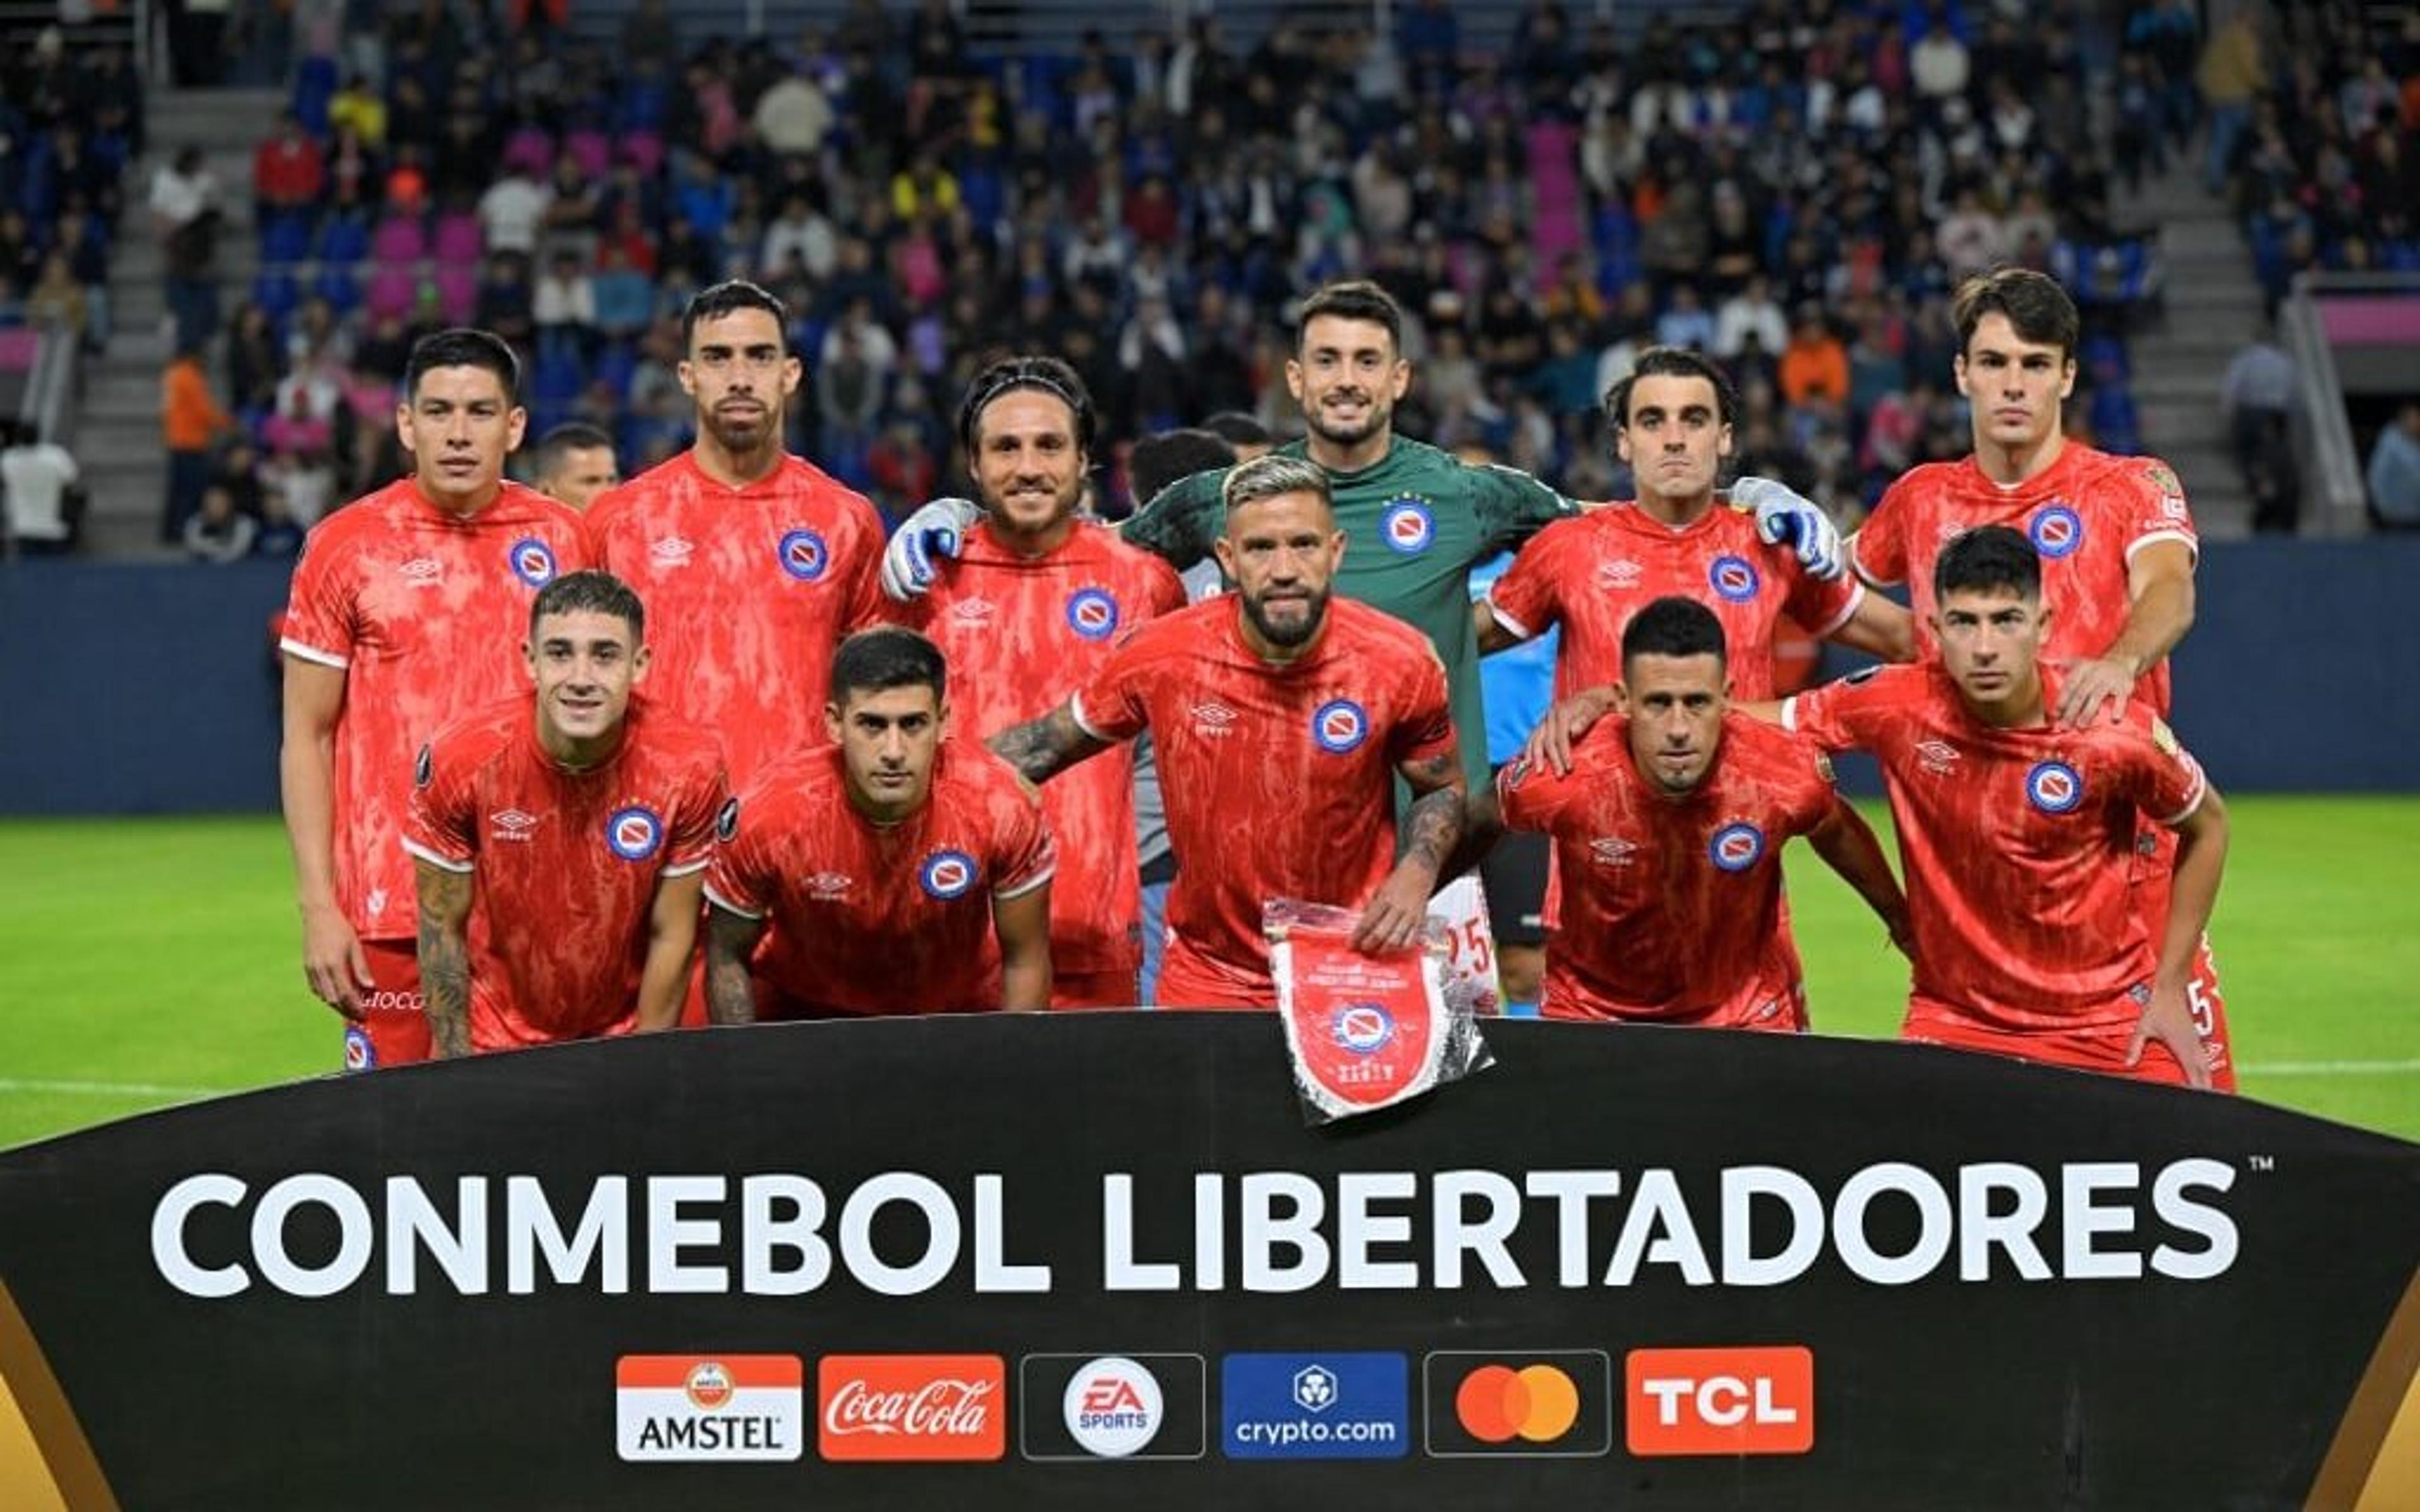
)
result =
(2323, 440)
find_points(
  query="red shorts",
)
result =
(1765, 1005)
(394, 1026)
(1187, 980)
(2102, 1051)
(1093, 988)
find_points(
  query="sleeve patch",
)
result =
(424, 767)
(726, 822)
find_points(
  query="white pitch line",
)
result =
(112, 1088)
(2330, 1068)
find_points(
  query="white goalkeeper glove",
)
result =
(1783, 518)
(910, 563)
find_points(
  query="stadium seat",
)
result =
(459, 242)
(2115, 426)
(399, 239)
(531, 150)
(643, 149)
(284, 237)
(339, 287)
(458, 293)
(593, 150)
(278, 293)
(615, 364)
(392, 291)
(344, 240)
(314, 88)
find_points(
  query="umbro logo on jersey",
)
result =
(511, 823)
(422, 572)
(971, 612)
(1620, 575)
(1937, 757)
(1612, 851)
(828, 886)
(672, 552)
(1214, 719)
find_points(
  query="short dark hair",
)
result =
(728, 297)
(1238, 428)
(1158, 461)
(463, 346)
(885, 657)
(1988, 559)
(2038, 308)
(1355, 299)
(590, 590)
(1671, 362)
(1674, 627)
(1044, 374)
(564, 440)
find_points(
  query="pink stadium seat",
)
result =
(392, 291)
(644, 150)
(459, 241)
(458, 293)
(592, 151)
(398, 240)
(531, 150)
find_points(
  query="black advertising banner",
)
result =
(1097, 1260)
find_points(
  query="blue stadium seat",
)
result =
(284, 237)
(2115, 426)
(345, 240)
(278, 293)
(339, 287)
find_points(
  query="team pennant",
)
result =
(1364, 1032)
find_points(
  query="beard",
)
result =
(734, 434)
(1294, 633)
(1376, 416)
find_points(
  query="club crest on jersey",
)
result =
(359, 1055)
(1363, 1028)
(533, 562)
(1734, 577)
(1339, 725)
(2053, 787)
(2056, 531)
(803, 555)
(946, 875)
(1408, 525)
(1092, 613)
(1736, 847)
(634, 833)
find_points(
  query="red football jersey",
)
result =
(869, 919)
(2087, 513)
(2017, 846)
(565, 863)
(1021, 634)
(1672, 905)
(1591, 573)
(424, 611)
(748, 591)
(1279, 781)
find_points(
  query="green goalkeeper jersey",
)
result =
(1414, 523)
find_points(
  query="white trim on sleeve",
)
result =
(1789, 714)
(1857, 565)
(1003, 894)
(690, 870)
(2201, 790)
(728, 906)
(1825, 633)
(442, 863)
(325, 658)
(1496, 611)
(1076, 712)
(2192, 547)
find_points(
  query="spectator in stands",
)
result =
(1751, 312)
(304, 486)
(36, 479)
(191, 421)
(255, 360)
(575, 464)
(220, 532)
(185, 213)
(2395, 470)
(2230, 75)
(510, 210)
(564, 309)
(2258, 395)
(1815, 364)
(57, 300)
(288, 171)
(280, 535)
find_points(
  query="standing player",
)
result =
(1281, 717)
(575, 464)
(898, 871)
(560, 855)
(1033, 607)
(1672, 421)
(2115, 537)
(403, 606)
(2016, 832)
(753, 563)
(1667, 833)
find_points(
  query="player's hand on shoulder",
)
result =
(911, 561)
(1550, 744)
(2093, 689)
(1786, 518)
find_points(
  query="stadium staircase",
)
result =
(118, 439)
(2213, 308)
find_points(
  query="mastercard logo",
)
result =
(1497, 1404)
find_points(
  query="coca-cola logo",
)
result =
(913, 1405)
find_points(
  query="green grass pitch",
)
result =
(143, 962)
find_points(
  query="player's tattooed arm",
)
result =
(1044, 748)
(445, 958)
(730, 939)
(1483, 825)
(1394, 916)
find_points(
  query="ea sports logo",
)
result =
(1497, 1404)
(532, 561)
(803, 555)
(634, 833)
(1092, 613)
(1114, 1407)
(1408, 526)
(1363, 1028)
(1734, 577)
(1736, 847)
(708, 1385)
(2056, 531)
(1339, 726)
(2053, 787)
(947, 874)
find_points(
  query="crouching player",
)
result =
(2017, 835)
(559, 854)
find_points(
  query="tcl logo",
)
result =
(1746, 1401)
(913, 1405)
